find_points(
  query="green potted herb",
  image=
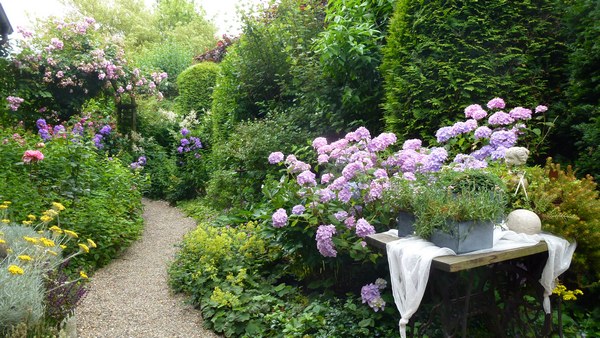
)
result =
(400, 198)
(458, 209)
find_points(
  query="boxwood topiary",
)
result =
(196, 85)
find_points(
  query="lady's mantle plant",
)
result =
(338, 200)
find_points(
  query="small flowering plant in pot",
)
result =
(400, 198)
(458, 209)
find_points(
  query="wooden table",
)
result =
(460, 290)
(464, 261)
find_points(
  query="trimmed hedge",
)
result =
(442, 56)
(196, 85)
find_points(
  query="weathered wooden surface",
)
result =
(465, 261)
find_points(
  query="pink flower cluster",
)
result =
(324, 240)
(14, 102)
(32, 156)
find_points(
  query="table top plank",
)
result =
(464, 261)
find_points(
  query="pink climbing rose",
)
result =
(32, 156)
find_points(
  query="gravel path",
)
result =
(130, 297)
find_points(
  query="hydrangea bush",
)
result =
(339, 200)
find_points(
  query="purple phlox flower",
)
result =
(475, 111)
(184, 131)
(363, 228)
(180, 150)
(325, 195)
(59, 129)
(14, 102)
(306, 178)
(370, 294)
(520, 113)
(298, 209)
(134, 165)
(77, 129)
(98, 141)
(326, 178)
(196, 142)
(380, 173)
(319, 142)
(323, 158)
(341, 215)
(500, 118)
(105, 130)
(503, 138)
(541, 109)
(279, 218)
(444, 134)
(482, 132)
(141, 160)
(496, 103)
(413, 144)
(184, 142)
(129, 87)
(324, 243)
(382, 141)
(351, 169)
(276, 157)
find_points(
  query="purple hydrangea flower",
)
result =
(319, 142)
(541, 109)
(414, 144)
(325, 195)
(500, 118)
(323, 158)
(341, 215)
(380, 173)
(276, 157)
(363, 228)
(326, 178)
(370, 294)
(444, 134)
(298, 209)
(306, 178)
(375, 191)
(520, 113)
(503, 138)
(279, 218)
(350, 222)
(496, 103)
(105, 130)
(351, 169)
(363, 133)
(435, 160)
(482, 153)
(324, 243)
(482, 132)
(475, 111)
(14, 102)
(382, 141)
(345, 194)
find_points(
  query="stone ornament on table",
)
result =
(524, 221)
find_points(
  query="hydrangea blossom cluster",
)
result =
(496, 134)
(371, 294)
(189, 144)
(324, 240)
(14, 102)
(279, 218)
(139, 164)
(99, 137)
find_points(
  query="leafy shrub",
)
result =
(569, 207)
(440, 56)
(196, 84)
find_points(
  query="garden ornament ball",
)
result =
(524, 221)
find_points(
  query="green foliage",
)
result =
(239, 165)
(440, 56)
(196, 85)
(102, 196)
(569, 207)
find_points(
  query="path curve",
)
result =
(131, 298)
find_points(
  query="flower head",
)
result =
(279, 218)
(324, 243)
(276, 157)
(32, 156)
(15, 270)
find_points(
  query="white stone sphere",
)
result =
(524, 221)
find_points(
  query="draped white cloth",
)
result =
(410, 259)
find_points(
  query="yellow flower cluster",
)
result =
(562, 291)
(15, 270)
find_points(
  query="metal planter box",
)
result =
(465, 236)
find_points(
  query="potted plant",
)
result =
(400, 198)
(457, 209)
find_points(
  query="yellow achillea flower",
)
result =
(2, 241)
(83, 275)
(5, 221)
(53, 253)
(25, 258)
(15, 270)
(51, 213)
(7, 202)
(562, 291)
(91, 243)
(31, 217)
(27, 222)
(3, 206)
(45, 219)
(84, 247)
(57, 206)
(47, 242)
(71, 233)
(62, 246)
(31, 240)
(56, 229)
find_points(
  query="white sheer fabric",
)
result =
(410, 259)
